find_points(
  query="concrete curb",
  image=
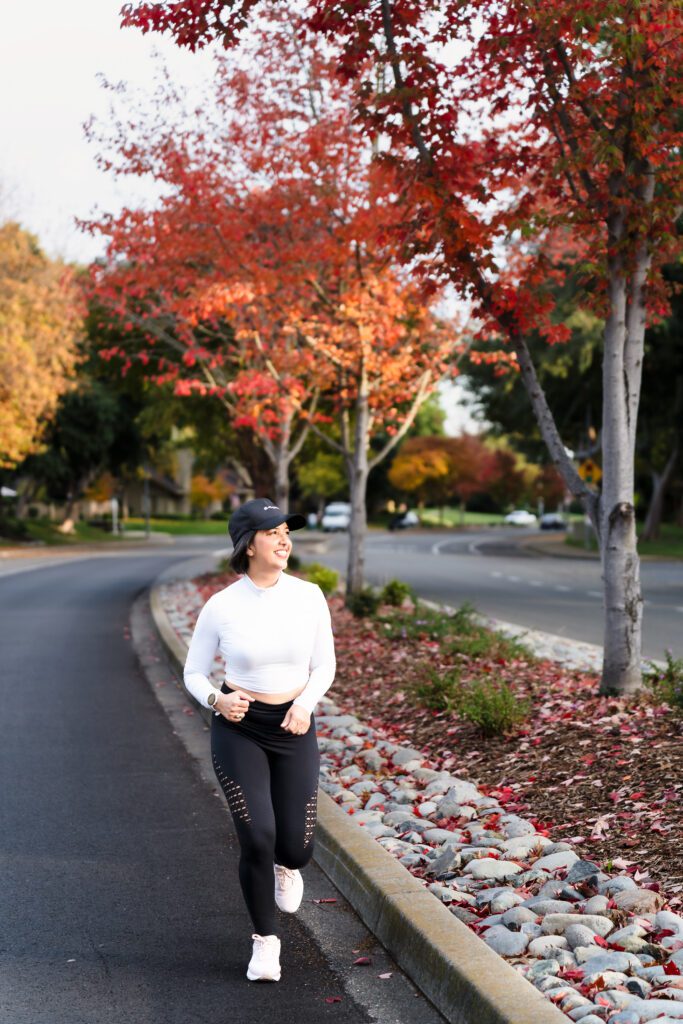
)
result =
(458, 972)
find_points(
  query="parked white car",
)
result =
(520, 517)
(336, 516)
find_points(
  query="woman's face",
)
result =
(270, 549)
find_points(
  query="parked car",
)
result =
(337, 516)
(552, 521)
(520, 517)
(402, 520)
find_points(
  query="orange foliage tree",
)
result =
(40, 325)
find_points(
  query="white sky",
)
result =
(50, 55)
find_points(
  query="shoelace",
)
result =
(285, 876)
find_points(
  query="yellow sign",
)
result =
(590, 471)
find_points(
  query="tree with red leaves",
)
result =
(512, 127)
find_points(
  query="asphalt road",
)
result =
(506, 581)
(119, 865)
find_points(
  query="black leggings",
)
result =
(270, 780)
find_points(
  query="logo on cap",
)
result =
(266, 507)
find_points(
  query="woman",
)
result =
(275, 636)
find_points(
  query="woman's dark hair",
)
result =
(239, 559)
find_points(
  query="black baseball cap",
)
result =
(260, 514)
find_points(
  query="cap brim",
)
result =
(295, 521)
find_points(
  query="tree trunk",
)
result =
(621, 670)
(281, 473)
(358, 471)
(660, 482)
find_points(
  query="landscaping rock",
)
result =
(578, 935)
(547, 945)
(518, 915)
(505, 942)
(488, 867)
(638, 901)
(602, 960)
(595, 905)
(402, 755)
(554, 861)
(617, 884)
(542, 969)
(556, 924)
(445, 862)
(582, 869)
(512, 826)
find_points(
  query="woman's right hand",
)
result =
(234, 705)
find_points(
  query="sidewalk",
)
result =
(494, 871)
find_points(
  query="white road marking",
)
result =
(679, 609)
(561, 587)
(496, 575)
(594, 593)
(513, 579)
(221, 552)
(535, 583)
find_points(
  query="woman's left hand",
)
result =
(297, 720)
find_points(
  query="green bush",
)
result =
(492, 706)
(395, 592)
(437, 692)
(326, 579)
(364, 603)
(667, 683)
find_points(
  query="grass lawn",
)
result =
(669, 545)
(453, 517)
(47, 533)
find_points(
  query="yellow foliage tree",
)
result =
(40, 321)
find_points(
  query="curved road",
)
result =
(505, 580)
(119, 883)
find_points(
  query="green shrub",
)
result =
(667, 682)
(294, 563)
(364, 603)
(438, 692)
(492, 706)
(326, 579)
(395, 592)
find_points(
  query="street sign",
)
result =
(590, 471)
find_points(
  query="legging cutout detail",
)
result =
(233, 793)
(270, 780)
(311, 818)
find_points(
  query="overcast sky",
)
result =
(50, 56)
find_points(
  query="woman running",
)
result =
(275, 636)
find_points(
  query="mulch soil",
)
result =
(604, 774)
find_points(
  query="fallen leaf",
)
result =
(362, 961)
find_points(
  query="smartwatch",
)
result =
(212, 698)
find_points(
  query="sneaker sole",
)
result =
(263, 977)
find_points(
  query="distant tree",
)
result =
(40, 326)
(322, 477)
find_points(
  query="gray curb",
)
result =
(458, 972)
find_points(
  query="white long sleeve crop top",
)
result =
(271, 639)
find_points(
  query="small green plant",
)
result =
(326, 579)
(492, 706)
(395, 592)
(666, 682)
(438, 692)
(364, 603)
(294, 563)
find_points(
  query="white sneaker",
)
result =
(265, 959)
(289, 888)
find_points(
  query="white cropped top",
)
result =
(272, 639)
